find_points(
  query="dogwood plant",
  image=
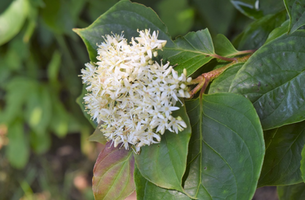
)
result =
(195, 118)
(132, 95)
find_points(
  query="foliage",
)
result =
(245, 129)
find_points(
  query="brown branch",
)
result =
(204, 79)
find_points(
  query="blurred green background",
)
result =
(44, 148)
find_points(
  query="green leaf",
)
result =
(80, 102)
(255, 35)
(283, 155)
(53, 67)
(149, 191)
(17, 92)
(60, 117)
(40, 143)
(39, 108)
(291, 192)
(273, 80)
(277, 32)
(296, 12)
(179, 13)
(223, 82)
(123, 16)
(98, 136)
(227, 148)
(60, 16)
(164, 163)
(113, 173)
(12, 19)
(17, 151)
(4, 4)
(302, 168)
(256, 9)
(217, 15)
(224, 47)
(248, 8)
(191, 51)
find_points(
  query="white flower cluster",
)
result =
(133, 95)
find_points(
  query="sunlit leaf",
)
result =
(227, 148)
(273, 80)
(113, 173)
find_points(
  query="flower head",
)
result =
(132, 94)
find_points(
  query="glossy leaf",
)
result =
(277, 32)
(273, 80)
(113, 173)
(223, 82)
(226, 149)
(249, 8)
(12, 19)
(283, 155)
(149, 191)
(291, 192)
(255, 35)
(257, 9)
(190, 52)
(123, 16)
(296, 12)
(170, 152)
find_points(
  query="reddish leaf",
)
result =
(113, 173)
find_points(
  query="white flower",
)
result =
(132, 94)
